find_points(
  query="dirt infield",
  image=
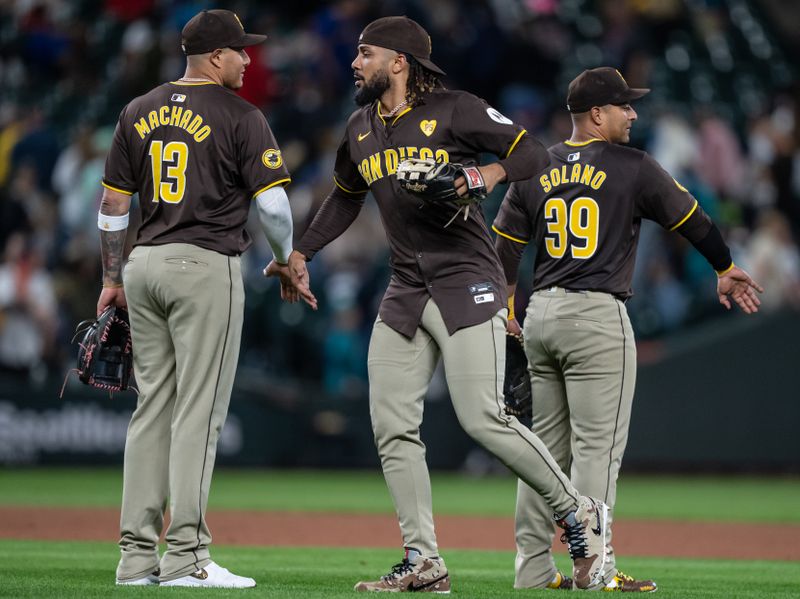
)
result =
(631, 537)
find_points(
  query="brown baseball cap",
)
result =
(598, 87)
(212, 29)
(401, 34)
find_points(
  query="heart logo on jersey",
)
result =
(427, 127)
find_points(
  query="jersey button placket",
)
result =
(428, 283)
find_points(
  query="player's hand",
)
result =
(737, 284)
(111, 296)
(288, 291)
(294, 279)
(492, 175)
(513, 328)
(300, 278)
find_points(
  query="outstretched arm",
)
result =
(275, 216)
(337, 212)
(663, 199)
(732, 281)
(737, 284)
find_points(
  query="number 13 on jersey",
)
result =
(171, 186)
(582, 220)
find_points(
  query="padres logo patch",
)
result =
(427, 127)
(272, 158)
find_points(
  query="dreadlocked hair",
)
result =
(420, 81)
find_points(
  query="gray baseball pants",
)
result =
(582, 359)
(400, 370)
(186, 308)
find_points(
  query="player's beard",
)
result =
(373, 89)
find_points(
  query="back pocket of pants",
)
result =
(184, 264)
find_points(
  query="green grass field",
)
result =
(727, 499)
(36, 569)
(82, 569)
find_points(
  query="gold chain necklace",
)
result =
(394, 110)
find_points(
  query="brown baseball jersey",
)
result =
(197, 154)
(585, 210)
(456, 265)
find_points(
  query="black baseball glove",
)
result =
(517, 394)
(105, 356)
(435, 181)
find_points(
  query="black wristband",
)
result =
(714, 249)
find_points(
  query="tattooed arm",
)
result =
(113, 215)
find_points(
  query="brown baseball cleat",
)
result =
(585, 534)
(622, 583)
(560, 582)
(420, 575)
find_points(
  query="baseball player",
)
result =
(197, 154)
(446, 298)
(583, 212)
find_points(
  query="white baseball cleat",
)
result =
(212, 576)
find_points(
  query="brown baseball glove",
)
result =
(105, 355)
(517, 394)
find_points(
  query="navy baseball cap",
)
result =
(212, 29)
(401, 34)
(598, 87)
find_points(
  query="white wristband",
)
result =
(112, 223)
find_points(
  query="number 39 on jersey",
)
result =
(575, 226)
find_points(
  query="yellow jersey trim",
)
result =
(726, 271)
(582, 143)
(194, 83)
(380, 116)
(271, 185)
(685, 218)
(401, 114)
(499, 232)
(516, 141)
(344, 189)
(117, 189)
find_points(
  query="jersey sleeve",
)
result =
(336, 214)
(260, 159)
(513, 220)
(118, 174)
(345, 173)
(661, 198)
(480, 128)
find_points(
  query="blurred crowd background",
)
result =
(723, 118)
